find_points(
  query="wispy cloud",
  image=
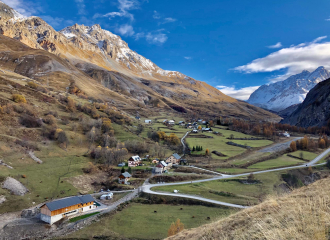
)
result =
(305, 56)
(241, 93)
(156, 15)
(157, 37)
(25, 8)
(125, 30)
(328, 19)
(81, 7)
(277, 45)
(188, 58)
(124, 6)
(168, 20)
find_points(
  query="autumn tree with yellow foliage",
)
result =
(175, 228)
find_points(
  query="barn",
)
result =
(56, 210)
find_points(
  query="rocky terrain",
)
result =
(102, 66)
(281, 95)
(315, 110)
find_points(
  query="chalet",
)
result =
(173, 159)
(159, 168)
(147, 121)
(124, 178)
(56, 210)
(134, 161)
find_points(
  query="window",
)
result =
(90, 207)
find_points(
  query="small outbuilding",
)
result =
(107, 196)
(147, 121)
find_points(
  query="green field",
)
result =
(138, 221)
(75, 219)
(218, 143)
(282, 161)
(306, 155)
(234, 170)
(245, 194)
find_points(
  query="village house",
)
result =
(159, 168)
(165, 165)
(124, 178)
(171, 122)
(147, 121)
(134, 161)
(155, 161)
(54, 211)
(173, 159)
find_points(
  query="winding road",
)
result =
(147, 187)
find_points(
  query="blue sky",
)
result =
(235, 45)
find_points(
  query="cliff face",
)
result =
(315, 110)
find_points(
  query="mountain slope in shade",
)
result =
(102, 65)
(281, 95)
(315, 110)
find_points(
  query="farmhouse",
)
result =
(147, 121)
(134, 161)
(124, 178)
(56, 210)
(172, 122)
(173, 159)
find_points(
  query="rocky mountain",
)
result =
(315, 109)
(281, 95)
(102, 65)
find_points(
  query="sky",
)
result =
(233, 45)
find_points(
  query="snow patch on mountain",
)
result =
(280, 95)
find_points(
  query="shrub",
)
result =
(50, 119)
(18, 98)
(32, 85)
(29, 121)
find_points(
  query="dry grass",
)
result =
(304, 214)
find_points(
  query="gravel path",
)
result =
(279, 147)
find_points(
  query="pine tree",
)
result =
(201, 148)
(129, 170)
(193, 149)
(122, 170)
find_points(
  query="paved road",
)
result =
(182, 142)
(319, 157)
(147, 187)
(279, 146)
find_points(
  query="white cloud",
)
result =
(168, 20)
(241, 93)
(156, 37)
(156, 15)
(25, 8)
(125, 30)
(81, 7)
(188, 58)
(305, 56)
(124, 6)
(277, 45)
(328, 19)
(139, 35)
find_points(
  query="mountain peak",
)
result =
(280, 95)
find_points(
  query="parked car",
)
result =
(121, 165)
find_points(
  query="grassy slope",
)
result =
(278, 162)
(139, 221)
(304, 214)
(245, 194)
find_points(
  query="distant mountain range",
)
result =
(281, 95)
(315, 109)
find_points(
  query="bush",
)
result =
(30, 122)
(18, 98)
(32, 85)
